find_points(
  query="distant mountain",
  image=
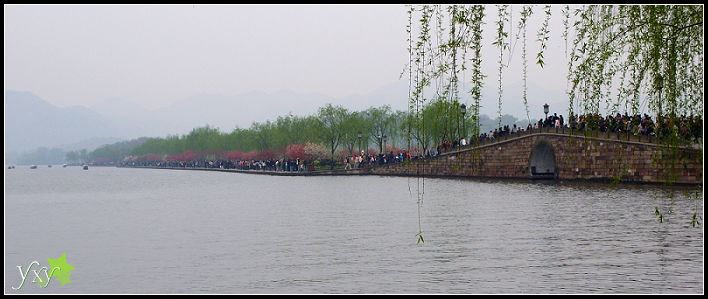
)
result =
(394, 94)
(130, 119)
(31, 122)
(228, 112)
(89, 144)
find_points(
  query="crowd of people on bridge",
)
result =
(688, 128)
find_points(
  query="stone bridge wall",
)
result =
(576, 157)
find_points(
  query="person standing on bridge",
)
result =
(556, 121)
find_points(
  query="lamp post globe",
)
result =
(545, 109)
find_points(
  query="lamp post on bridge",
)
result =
(545, 110)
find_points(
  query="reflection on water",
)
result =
(162, 231)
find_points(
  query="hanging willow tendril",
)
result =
(525, 14)
(500, 43)
(411, 106)
(569, 59)
(543, 36)
(422, 81)
(477, 13)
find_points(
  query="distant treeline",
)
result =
(336, 129)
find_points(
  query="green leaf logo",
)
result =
(63, 271)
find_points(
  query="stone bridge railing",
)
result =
(607, 135)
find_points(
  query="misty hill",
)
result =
(31, 122)
(89, 144)
(130, 119)
(227, 112)
(394, 94)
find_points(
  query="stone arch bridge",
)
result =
(558, 154)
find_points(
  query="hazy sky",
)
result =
(157, 54)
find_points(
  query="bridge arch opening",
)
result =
(542, 163)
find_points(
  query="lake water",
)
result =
(170, 231)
